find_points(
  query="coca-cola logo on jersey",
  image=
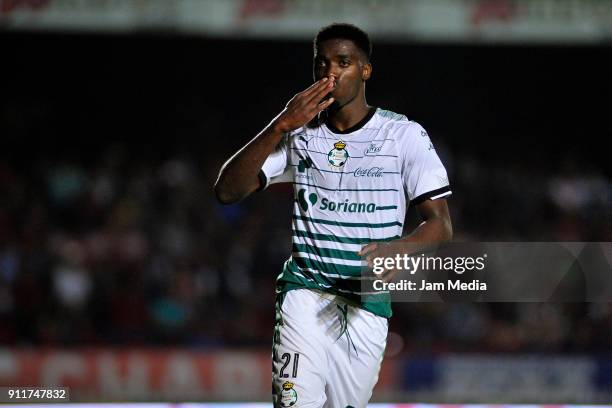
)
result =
(368, 172)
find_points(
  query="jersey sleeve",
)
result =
(276, 169)
(423, 174)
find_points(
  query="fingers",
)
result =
(369, 252)
(368, 249)
(310, 99)
(319, 84)
(388, 275)
(325, 104)
(306, 104)
(318, 93)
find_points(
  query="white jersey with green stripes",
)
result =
(351, 188)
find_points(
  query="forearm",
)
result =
(435, 230)
(238, 176)
(428, 235)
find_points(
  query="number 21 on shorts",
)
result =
(286, 357)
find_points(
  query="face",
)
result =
(344, 63)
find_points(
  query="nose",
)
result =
(332, 77)
(331, 70)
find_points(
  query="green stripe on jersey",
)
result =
(327, 252)
(387, 207)
(327, 267)
(293, 277)
(348, 224)
(345, 189)
(341, 240)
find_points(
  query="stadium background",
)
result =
(120, 275)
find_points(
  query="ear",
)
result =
(366, 71)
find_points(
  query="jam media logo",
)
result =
(373, 149)
(312, 198)
(369, 172)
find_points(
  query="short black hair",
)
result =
(345, 31)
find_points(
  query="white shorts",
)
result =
(326, 353)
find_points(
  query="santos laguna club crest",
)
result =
(338, 156)
(288, 395)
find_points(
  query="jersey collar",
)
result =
(356, 126)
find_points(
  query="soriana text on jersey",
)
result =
(346, 206)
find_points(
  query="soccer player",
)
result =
(354, 169)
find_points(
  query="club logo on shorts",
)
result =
(338, 156)
(288, 395)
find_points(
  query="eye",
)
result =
(345, 63)
(319, 63)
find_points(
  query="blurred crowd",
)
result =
(120, 248)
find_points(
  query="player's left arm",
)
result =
(435, 229)
(436, 226)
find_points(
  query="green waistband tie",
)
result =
(344, 329)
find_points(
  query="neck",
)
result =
(348, 115)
